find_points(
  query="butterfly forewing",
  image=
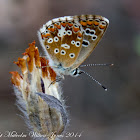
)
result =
(62, 38)
(50, 41)
(93, 29)
(70, 45)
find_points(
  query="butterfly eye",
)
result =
(72, 55)
(63, 52)
(50, 40)
(94, 37)
(47, 47)
(77, 43)
(69, 32)
(56, 39)
(56, 50)
(72, 42)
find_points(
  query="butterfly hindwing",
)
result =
(62, 39)
(94, 28)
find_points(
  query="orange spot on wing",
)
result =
(57, 26)
(101, 26)
(95, 23)
(16, 78)
(22, 64)
(89, 22)
(79, 34)
(75, 29)
(46, 35)
(51, 29)
(83, 23)
(70, 24)
(63, 24)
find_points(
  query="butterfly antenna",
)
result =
(95, 80)
(90, 65)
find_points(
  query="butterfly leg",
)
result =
(58, 79)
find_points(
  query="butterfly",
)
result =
(69, 40)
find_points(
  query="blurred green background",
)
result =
(99, 115)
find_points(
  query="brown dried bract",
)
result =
(22, 64)
(16, 78)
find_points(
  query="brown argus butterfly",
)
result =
(69, 40)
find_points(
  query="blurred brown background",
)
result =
(99, 115)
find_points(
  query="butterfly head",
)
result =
(76, 72)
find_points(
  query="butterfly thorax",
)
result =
(60, 70)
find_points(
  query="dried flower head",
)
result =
(40, 102)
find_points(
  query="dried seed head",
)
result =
(43, 106)
(50, 114)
